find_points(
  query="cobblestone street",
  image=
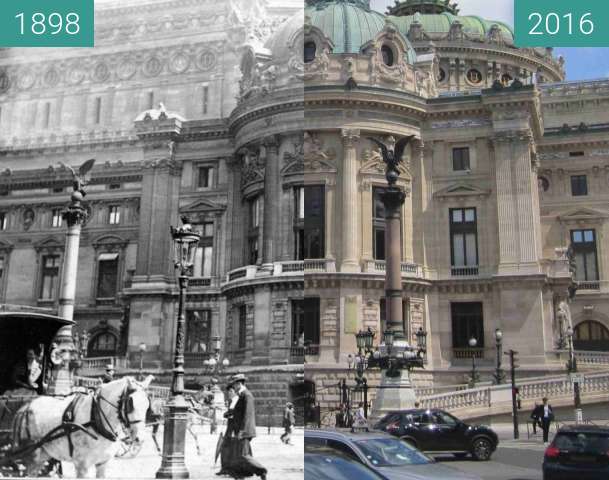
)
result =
(283, 462)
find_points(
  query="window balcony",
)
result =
(465, 271)
(298, 353)
(589, 285)
(407, 269)
(468, 352)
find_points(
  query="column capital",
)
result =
(350, 136)
(512, 136)
(271, 143)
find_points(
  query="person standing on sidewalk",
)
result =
(546, 419)
(288, 423)
(245, 424)
(536, 415)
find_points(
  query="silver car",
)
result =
(389, 457)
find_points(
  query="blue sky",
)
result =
(581, 63)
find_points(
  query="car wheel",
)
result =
(460, 455)
(482, 449)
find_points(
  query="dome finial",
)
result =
(410, 7)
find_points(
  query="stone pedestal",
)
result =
(394, 393)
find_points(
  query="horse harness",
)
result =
(98, 420)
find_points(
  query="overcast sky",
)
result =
(581, 63)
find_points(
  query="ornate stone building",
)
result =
(508, 167)
(190, 107)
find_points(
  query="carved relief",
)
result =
(252, 168)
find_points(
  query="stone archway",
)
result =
(591, 335)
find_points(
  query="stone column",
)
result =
(393, 198)
(349, 210)
(271, 222)
(518, 207)
(74, 216)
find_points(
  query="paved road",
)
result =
(284, 462)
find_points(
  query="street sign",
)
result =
(577, 377)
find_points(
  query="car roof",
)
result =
(415, 410)
(346, 434)
(583, 429)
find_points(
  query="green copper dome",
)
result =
(349, 24)
(436, 17)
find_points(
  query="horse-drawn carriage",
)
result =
(39, 431)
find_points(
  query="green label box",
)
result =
(47, 23)
(561, 23)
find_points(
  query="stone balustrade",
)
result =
(407, 269)
(99, 363)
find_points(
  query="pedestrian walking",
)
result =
(536, 415)
(229, 443)
(288, 423)
(245, 424)
(340, 416)
(547, 418)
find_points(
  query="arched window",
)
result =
(103, 345)
(387, 54)
(310, 49)
(591, 335)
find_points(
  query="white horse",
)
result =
(115, 409)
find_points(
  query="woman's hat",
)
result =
(238, 377)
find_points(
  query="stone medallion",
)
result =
(5, 82)
(101, 72)
(153, 67)
(76, 75)
(25, 79)
(207, 60)
(51, 77)
(126, 69)
(179, 63)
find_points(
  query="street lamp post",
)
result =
(499, 373)
(185, 241)
(472, 343)
(142, 349)
(572, 369)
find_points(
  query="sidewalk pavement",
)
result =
(284, 462)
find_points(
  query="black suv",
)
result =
(436, 431)
(578, 452)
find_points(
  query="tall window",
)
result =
(103, 345)
(314, 219)
(56, 219)
(584, 249)
(47, 115)
(311, 321)
(206, 175)
(242, 326)
(198, 327)
(107, 275)
(254, 230)
(50, 277)
(463, 241)
(114, 217)
(97, 111)
(150, 100)
(378, 224)
(299, 222)
(205, 250)
(3, 221)
(579, 185)
(467, 322)
(298, 323)
(205, 100)
(461, 159)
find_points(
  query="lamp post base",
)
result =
(395, 393)
(174, 439)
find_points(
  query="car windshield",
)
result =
(390, 452)
(582, 442)
(333, 467)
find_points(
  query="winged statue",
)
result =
(392, 156)
(79, 178)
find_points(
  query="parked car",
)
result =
(388, 457)
(578, 452)
(332, 465)
(435, 431)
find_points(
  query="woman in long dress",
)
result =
(229, 446)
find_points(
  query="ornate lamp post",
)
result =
(473, 343)
(572, 368)
(142, 350)
(185, 241)
(499, 373)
